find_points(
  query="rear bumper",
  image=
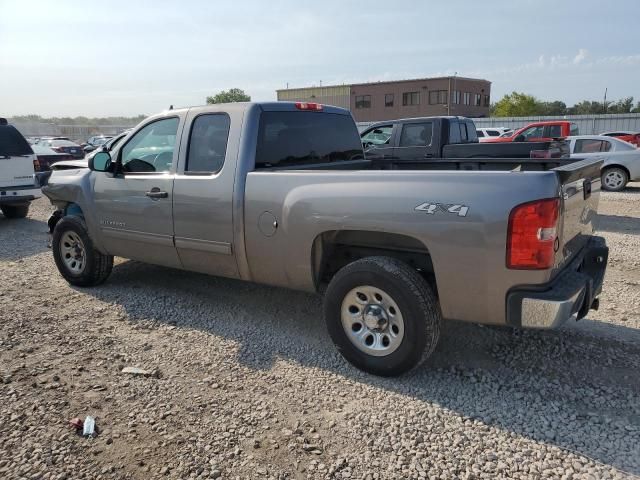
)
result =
(19, 195)
(570, 295)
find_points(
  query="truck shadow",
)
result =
(618, 224)
(545, 386)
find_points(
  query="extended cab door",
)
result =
(203, 191)
(416, 142)
(134, 206)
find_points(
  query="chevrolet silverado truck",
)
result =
(280, 194)
(18, 182)
(406, 142)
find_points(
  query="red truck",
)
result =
(539, 132)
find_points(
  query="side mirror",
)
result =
(100, 162)
(519, 138)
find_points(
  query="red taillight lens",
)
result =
(532, 234)
(308, 106)
(36, 165)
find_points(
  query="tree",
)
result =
(624, 105)
(516, 105)
(229, 96)
(552, 108)
(586, 107)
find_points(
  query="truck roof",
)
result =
(265, 106)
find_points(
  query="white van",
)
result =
(18, 183)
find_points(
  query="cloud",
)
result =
(581, 56)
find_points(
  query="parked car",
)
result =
(96, 141)
(621, 159)
(279, 193)
(405, 142)
(539, 132)
(18, 184)
(74, 164)
(626, 136)
(61, 145)
(46, 156)
(484, 133)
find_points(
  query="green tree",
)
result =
(229, 96)
(516, 105)
(586, 107)
(552, 108)
(624, 105)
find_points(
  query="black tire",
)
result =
(413, 296)
(97, 267)
(15, 211)
(620, 175)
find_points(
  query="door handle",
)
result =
(155, 193)
(428, 155)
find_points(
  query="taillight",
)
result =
(57, 149)
(36, 165)
(308, 106)
(532, 234)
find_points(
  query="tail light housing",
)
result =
(36, 165)
(309, 106)
(532, 235)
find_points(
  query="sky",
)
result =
(112, 57)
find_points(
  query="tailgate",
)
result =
(580, 194)
(16, 170)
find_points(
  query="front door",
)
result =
(135, 207)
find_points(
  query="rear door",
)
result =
(134, 208)
(203, 192)
(16, 159)
(416, 141)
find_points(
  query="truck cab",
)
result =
(539, 132)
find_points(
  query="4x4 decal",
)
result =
(433, 208)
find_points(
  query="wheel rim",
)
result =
(613, 179)
(73, 252)
(372, 321)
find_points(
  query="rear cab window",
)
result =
(207, 144)
(416, 134)
(294, 138)
(12, 143)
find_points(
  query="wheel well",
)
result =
(335, 249)
(69, 209)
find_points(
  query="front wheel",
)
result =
(77, 261)
(614, 179)
(382, 315)
(15, 211)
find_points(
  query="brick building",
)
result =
(423, 97)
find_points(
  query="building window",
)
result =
(466, 99)
(388, 100)
(411, 98)
(363, 101)
(437, 97)
(476, 99)
(487, 101)
(455, 97)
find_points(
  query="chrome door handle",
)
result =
(156, 193)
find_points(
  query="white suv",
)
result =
(484, 133)
(18, 183)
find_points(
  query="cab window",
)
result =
(378, 135)
(150, 150)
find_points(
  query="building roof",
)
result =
(387, 82)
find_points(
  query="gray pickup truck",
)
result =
(280, 194)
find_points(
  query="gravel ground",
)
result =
(245, 383)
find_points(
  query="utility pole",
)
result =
(604, 103)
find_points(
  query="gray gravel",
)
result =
(241, 380)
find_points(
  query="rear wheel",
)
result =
(382, 315)
(77, 261)
(15, 211)
(614, 179)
